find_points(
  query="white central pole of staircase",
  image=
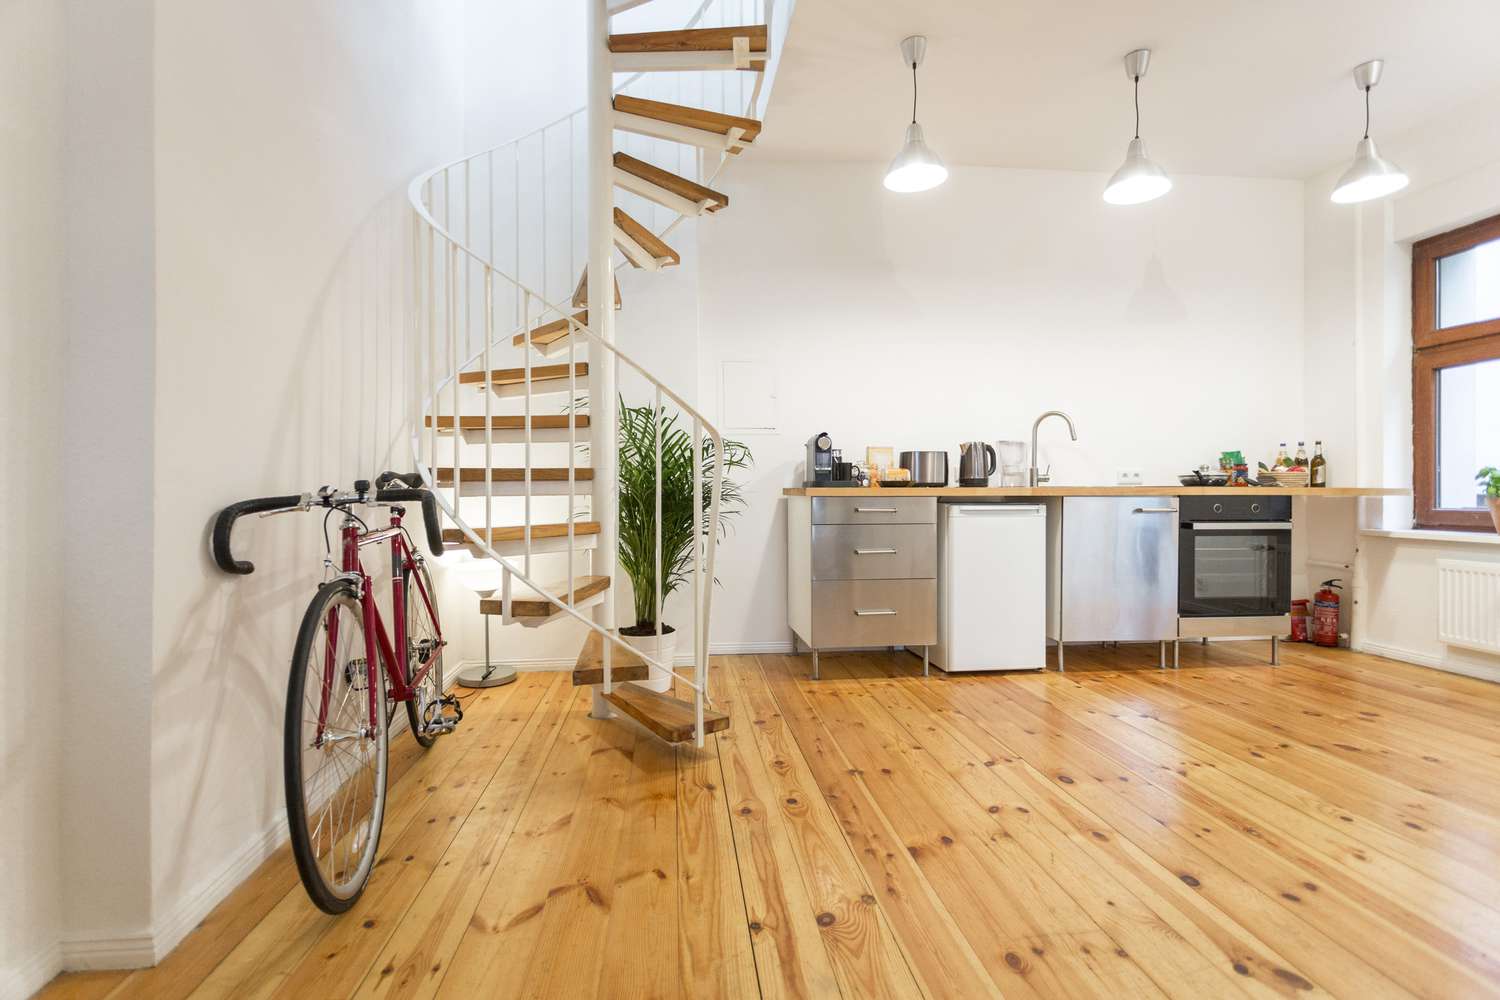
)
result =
(601, 307)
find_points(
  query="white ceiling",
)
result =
(1238, 87)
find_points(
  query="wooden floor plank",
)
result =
(1327, 827)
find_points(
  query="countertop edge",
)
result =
(976, 492)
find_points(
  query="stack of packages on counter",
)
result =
(1234, 467)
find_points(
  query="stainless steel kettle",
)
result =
(976, 463)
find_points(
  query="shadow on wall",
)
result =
(342, 412)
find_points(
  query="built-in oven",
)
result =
(1234, 574)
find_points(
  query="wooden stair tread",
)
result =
(511, 422)
(584, 587)
(551, 333)
(625, 664)
(517, 376)
(669, 718)
(517, 532)
(678, 114)
(678, 185)
(648, 240)
(444, 476)
(690, 39)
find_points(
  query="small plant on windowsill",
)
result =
(685, 518)
(1489, 478)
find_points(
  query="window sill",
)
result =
(1445, 537)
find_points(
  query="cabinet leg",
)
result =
(1275, 650)
(926, 668)
(1176, 653)
(1061, 666)
(815, 665)
(1162, 654)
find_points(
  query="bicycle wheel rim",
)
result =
(341, 764)
(421, 634)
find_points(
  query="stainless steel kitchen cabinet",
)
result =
(1112, 574)
(862, 571)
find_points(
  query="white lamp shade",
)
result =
(915, 168)
(1138, 179)
(1369, 177)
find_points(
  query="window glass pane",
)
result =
(1468, 430)
(1469, 285)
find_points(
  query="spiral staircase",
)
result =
(514, 394)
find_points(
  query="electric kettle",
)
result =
(976, 463)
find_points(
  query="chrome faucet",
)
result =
(1035, 476)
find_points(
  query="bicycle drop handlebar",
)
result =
(413, 492)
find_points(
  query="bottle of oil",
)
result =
(1301, 460)
(1318, 473)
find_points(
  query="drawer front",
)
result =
(874, 613)
(874, 551)
(874, 510)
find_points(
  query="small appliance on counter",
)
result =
(825, 465)
(927, 468)
(976, 463)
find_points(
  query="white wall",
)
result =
(285, 135)
(1169, 331)
(1359, 364)
(32, 64)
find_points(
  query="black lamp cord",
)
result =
(1137, 107)
(913, 93)
(1367, 112)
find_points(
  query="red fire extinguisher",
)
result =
(1326, 613)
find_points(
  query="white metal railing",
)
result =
(495, 235)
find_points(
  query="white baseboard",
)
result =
(31, 974)
(748, 648)
(1479, 671)
(125, 951)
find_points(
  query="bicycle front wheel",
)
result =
(424, 645)
(333, 757)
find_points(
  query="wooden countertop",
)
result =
(981, 492)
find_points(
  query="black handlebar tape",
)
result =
(429, 513)
(411, 479)
(224, 524)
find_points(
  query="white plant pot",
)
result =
(646, 645)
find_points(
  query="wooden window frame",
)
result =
(1435, 348)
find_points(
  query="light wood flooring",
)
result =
(1330, 827)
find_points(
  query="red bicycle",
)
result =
(339, 702)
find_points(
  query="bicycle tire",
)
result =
(417, 608)
(335, 897)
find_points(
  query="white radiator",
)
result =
(1469, 604)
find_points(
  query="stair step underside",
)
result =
(581, 291)
(669, 718)
(667, 189)
(679, 123)
(641, 246)
(544, 378)
(624, 665)
(734, 47)
(550, 333)
(531, 605)
(475, 474)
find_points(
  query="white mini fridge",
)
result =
(992, 587)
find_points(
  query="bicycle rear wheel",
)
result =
(423, 641)
(334, 761)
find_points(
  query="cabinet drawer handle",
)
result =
(1156, 510)
(875, 510)
(862, 612)
(874, 552)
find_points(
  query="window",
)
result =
(1455, 336)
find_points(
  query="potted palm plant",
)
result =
(1489, 478)
(684, 518)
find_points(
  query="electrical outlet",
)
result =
(1128, 477)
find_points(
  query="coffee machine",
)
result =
(824, 465)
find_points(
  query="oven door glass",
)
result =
(1235, 572)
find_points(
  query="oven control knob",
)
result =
(1218, 508)
(1255, 508)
